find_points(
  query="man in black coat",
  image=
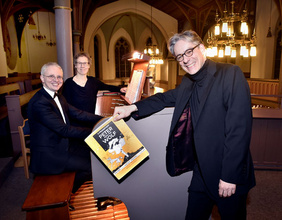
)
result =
(48, 116)
(210, 130)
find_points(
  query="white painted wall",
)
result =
(262, 65)
(38, 52)
(3, 70)
(34, 53)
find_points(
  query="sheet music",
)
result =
(134, 86)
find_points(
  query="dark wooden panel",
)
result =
(266, 143)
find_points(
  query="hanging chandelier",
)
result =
(50, 43)
(152, 50)
(38, 36)
(225, 38)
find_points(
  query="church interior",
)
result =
(36, 32)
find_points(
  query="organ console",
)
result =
(148, 192)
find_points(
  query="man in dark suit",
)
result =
(48, 114)
(210, 130)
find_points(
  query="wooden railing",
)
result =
(265, 92)
(264, 86)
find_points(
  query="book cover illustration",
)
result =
(117, 147)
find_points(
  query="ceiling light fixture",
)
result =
(38, 36)
(226, 38)
(152, 50)
(51, 43)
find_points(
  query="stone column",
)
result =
(64, 36)
(76, 42)
(77, 25)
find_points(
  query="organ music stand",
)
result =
(138, 77)
(138, 83)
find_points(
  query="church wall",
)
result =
(263, 64)
(166, 24)
(3, 71)
(34, 53)
(39, 53)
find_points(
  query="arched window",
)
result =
(123, 67)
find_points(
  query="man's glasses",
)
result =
(52, 77)
(82, 64)
(187, 53)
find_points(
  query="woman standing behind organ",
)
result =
(81, 90)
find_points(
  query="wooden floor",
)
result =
(83, 205)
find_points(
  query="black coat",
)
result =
(222, 132)
(49, 139)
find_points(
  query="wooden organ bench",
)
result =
(50, 197)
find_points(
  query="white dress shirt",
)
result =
(56, 99)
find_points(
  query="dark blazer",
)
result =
(49, 140)
(222, 131)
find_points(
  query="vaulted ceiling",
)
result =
(200, 14)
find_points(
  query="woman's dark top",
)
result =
(84, 98)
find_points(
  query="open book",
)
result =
(116, 146)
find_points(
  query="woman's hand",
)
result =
(123, 89)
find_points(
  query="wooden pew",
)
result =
(14, 107)
(30, 75)
(17, 79)
(7, 90)
(35, 75)
(3, 80)
(31, 84)
(14, 74)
